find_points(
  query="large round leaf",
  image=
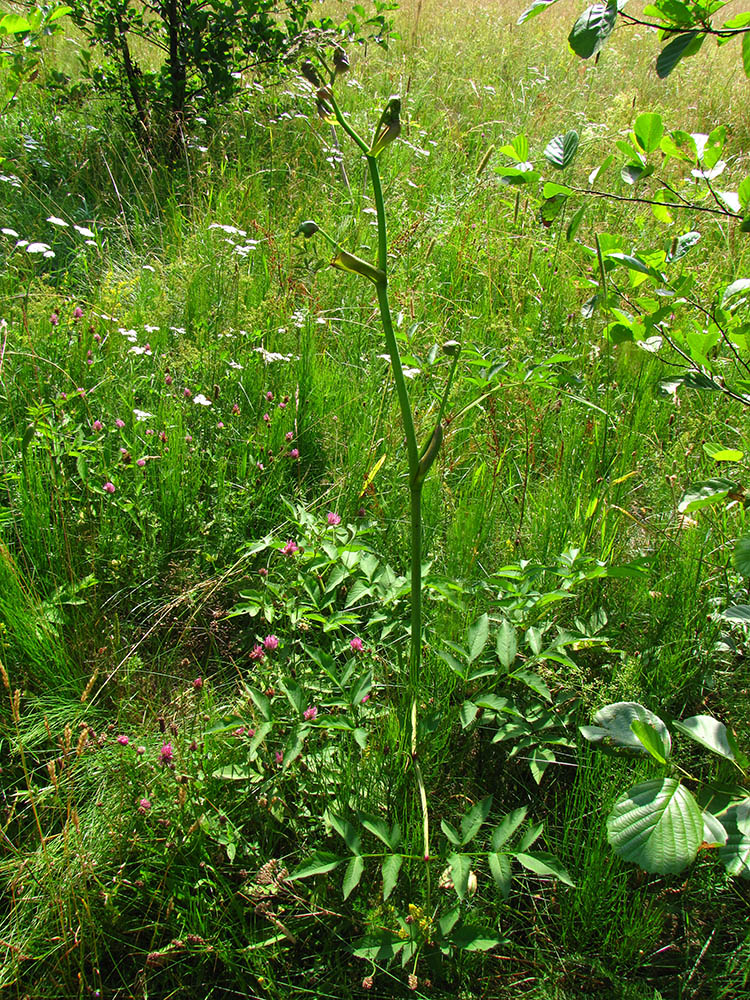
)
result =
(658, 825)
(613, 726)
(735, 853)
(561, 150)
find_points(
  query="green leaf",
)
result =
(468, 713)
(648, 130)
(507, 827)
(379, 947)
(575, 222)
(540, 759)
(530, 836)
(262, 703)
(450, 832)
(294, 694)
(390, 868)
(705, 494)
(682, 245)
(353, 874)
(472, 821)
(746, 54)
(709, 733)
(561, 150)
(741, 555)
(346, 831)
(743, 191)
(631, 173)
(232, 772)
(714, 833)
(738, 614)
(732, 291)
(592, 29)
(683, 45)
(542, 863)
(477, 637)
(460, 866)
(500, 868)
(735, 854)
(612, 726)
(475, 938)
(658, 825)
(376, 826)
(651, 740)
(513, 176)
(550, 189)
(318, 864)
(536, 8)
(449, 919)
(721, 454)
(533, 681)
(506, 645)
(14, 24)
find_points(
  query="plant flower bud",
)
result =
(310, 73)
(340, 61)
(323, 104)
(307, 229)
(431, 453)
(389, 127)
(451, 348)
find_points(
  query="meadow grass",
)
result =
(179, 400)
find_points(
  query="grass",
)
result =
(137, 613)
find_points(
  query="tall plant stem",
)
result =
(415, 498)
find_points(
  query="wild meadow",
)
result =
(377, 629)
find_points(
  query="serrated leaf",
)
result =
(460, 866)
(533, 681)
(679, 48)
(506, 645)
(507, 827)
(612, 725)
(705, 494)
(477, 637)
(501, 872)
(530, 836)
(592, 29)
(561, 150)
(472, 821)
(648, 130)
(542, 863)
(658, 825)
(346, 831)
(708, 732)
(354, 871)
(450, 832)
(390, 868)
(318, 864)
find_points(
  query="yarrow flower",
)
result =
(290, 548)
(166, 754)
(333, 518)
(271, 643)
(310, 713)
(356, 644)
(123, 740)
